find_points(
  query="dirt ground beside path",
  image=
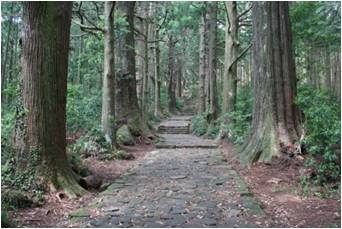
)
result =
(55, 209)
(278, 189)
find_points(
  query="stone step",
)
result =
(171, 146)
(173, 129)
(170, 132)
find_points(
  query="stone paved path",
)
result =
(185, 187)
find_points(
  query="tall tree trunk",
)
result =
(12, 55)
(179, 78)
(230, 66)
(79, 60)
(127, 108)
(140, 50)
(171, 73)
(157, 107)
(327, 78)
(5, 57)
(202, 66)
(146, 62)
(275, 123)
(45, 45)
(337, 77)
(108, 90)
(212, 13)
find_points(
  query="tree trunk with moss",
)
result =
(108, 89)
(202, 65)
(127, 108)
(45, 47)
(275, 123)
(230, 56)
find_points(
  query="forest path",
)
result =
(183, 187)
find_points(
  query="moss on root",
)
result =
(138, 127)
(68, 184)
(262, 144)
(124, 136)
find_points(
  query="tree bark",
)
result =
(157, 107)
(275, 123)
(4, 59)
(108, 88)
(140, 52)
(202, 66)
(212, 17)
(230, 65)
(127, 108)
(145, 87)
(79, 64)
(171, 74)
(179, 78)
(327, 78)
(45, 45)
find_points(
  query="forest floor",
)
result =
(56, 210)
(187, 182)
(277, 187)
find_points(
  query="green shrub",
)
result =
(179, 104)
(83, 109)
(239, 121)
(214, 129)
(199, 124)
(322, 127)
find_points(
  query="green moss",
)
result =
(15, 199)
(135, 125)
(122, 155)
(82, 212)
(124, 136)
(5, 222)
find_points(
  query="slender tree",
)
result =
(108, 90)
(202, 63)
(230, 65)
(212, 17)
(157, 106)
(275, 123)
(171, 74)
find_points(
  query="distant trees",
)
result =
(45, 47)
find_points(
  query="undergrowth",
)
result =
(322, 126)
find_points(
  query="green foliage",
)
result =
(322, 126)
(83, 110)
(179, 103)
(326, 18)
(214, 129)
(239, 120)
(164, 99)
(121, 155)
(199, 124)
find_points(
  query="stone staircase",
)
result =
(175, 133)
(173, 129)
(175, 125)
